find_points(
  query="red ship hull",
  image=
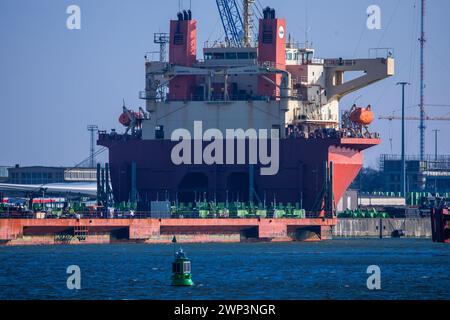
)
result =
(104, 231)
(300, 178)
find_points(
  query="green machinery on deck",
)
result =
(236, 210)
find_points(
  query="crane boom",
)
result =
(231, 21)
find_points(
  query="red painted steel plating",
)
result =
(45, 231)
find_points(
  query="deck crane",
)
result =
(231, 21)
(237, 26)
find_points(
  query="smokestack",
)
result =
(272, 14)
(266, 13)
(182, 52)
(271, 48)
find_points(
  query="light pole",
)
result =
(403, 165)
(435, 156)
(436, 144)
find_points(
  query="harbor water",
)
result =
(336, 269)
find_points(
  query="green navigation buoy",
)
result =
(181, 270)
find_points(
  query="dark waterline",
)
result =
(410, 269)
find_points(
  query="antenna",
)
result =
(92, 129)
(306, 24)
(422, 125)
(181, 4)
(359, 97)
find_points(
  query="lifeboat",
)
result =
(363, 116)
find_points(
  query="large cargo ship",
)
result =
(236, 95)
(245, 143)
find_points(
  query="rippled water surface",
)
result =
(410, 269)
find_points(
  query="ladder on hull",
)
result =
(81, 232)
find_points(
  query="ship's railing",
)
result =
(215, 44)
(331, 133)
(151, 56)
(223, 44)
(147, 95)
(219, 97)
(339, 62)
(381, 53)
(218, 63)
(317, 61)
(303, 80)
(271, 64)
(114, 136)
(298, 45)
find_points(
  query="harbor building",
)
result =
(3, 174)
(46, 175)
(430, 175)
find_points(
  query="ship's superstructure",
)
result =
(278, 84)
(275, 84)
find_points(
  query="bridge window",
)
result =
(219, 56)
(242, 55)
(230, 55)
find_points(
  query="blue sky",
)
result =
(54, 81)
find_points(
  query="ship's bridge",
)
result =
(297, 54)
(228, 57)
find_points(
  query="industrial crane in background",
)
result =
(231, 21)
(409, 118)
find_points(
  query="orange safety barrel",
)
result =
(362, 116)
(125, 120)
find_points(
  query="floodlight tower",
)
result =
(162, 39)
(92, 129)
